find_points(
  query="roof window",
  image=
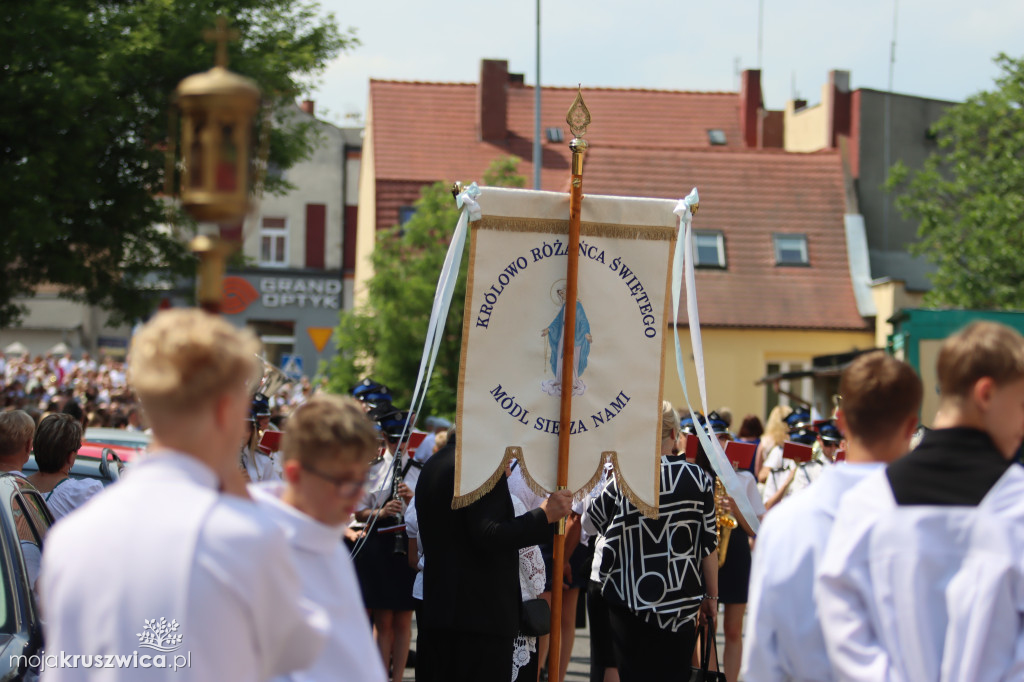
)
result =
(791, 249)
(716, 136)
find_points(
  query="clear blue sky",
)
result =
(944, 49)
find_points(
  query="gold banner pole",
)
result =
(578, 119)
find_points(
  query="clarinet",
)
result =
(401, 541)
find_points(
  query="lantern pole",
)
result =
(578, 119)
(216, 114)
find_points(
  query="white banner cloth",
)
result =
(510, 374)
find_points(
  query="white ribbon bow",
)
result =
(467, 199)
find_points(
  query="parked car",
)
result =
(24, 521)
(104, 463)
(127, 444)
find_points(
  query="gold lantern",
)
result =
(217, 109)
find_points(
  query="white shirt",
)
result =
(923, 592)
(260, 467)
(70, 494)
(328, 579)
(412, 531)
(807, 473)
(179, 551)
(784, 640)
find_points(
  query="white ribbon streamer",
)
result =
(466, 200)
(683, 260)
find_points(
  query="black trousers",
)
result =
(602, 657)
(645, 652)
(425, 648)
(466, 657)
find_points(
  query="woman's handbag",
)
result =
(535, 618)
(702, 674)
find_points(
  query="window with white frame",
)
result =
(791, 249)
(709, 249)
(274, 242)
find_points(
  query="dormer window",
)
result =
(709, 249)
(555, 135)
(791, 249)
(716, 136)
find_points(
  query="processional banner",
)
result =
(513, 335)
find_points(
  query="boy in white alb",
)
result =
(881, 397)
(327, 447)
(922, 578)
(200, 580)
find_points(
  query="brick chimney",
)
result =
(308, 106)
(750, 105)
(838, 102)
(492, 99)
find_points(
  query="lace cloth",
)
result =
(531, 583)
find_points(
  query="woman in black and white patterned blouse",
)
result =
(658, 575)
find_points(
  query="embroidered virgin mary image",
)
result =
(582, 340)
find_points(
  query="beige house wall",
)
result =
(806, 130)
(736, 358)
(891, 295)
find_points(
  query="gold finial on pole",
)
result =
(221, 35)
(578, 119)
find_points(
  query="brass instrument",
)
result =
(272, 379)
(724, 522)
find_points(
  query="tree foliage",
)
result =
(385, 337)
(84, 100)
(969, 198)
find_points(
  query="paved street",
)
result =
(579, 664)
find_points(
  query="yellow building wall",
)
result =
(928, 350)
(891, 296)
(735, 358)
(806, 130)
(366, 222)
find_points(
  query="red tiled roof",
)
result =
(646, 143)
(750, 195)
(419, 128)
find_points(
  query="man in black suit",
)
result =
(471, 596)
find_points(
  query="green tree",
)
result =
(384, 339)
(969, 198)
(84, 102)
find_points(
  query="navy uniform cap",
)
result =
(830, 433)
(687, 426)
(718, 425)
(393, 424)
(260, 406)
(806, 436)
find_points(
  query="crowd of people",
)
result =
(294, 556)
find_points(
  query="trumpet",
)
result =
(271, 379)
(724, 521)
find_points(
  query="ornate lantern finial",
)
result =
(217, 112)
(222, 35)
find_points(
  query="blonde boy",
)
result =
(328, 445)
(175, 557)
(922, 577)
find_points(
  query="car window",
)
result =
(30, 535)
(7, 610)
(38, 512)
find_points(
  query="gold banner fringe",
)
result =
(515, 452)
(549, 226)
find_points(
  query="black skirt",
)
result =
(385, 578)
(734, 575)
